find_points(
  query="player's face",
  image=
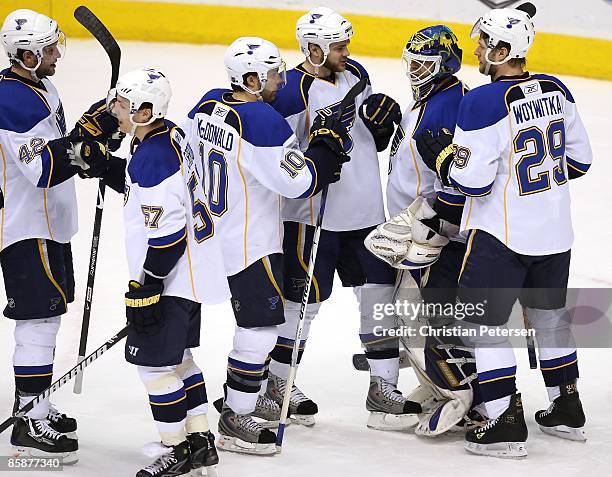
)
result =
(338, 54)
(276, 79)
(51, 54)
(121, 109)
(480, 52)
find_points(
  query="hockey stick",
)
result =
(360, 362)
(531, 350)
(348, 100)
(74, 372)
(86, 18)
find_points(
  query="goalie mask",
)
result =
(431, 55)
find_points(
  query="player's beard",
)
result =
(337, 66)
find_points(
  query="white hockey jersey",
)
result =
(409, 177)
(164, 201)
(518, 141)
(251, 160)
(355, 201)
(31, 115)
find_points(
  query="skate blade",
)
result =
(270, 424)
(233, 444)
(302, 420)
(564, 432)
(67, 458)
(210, 471)
(382, 421)
(502, 450)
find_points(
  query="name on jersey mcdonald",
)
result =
(215, 135)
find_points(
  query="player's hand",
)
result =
(142, 307)
(99, 124)
(437, 152)
(91, 157)
(330, 131)
(380, 113)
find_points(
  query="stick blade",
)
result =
(93, 24)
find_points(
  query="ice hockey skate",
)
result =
(171, 461)
(241, 433)
(301, 408)
(36, 438)
(203, 454)
(503, 436)
(389, 409)
(564, 417)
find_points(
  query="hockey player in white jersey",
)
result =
(426, 214)
(252, 160)
(517, 142)
(38, 220)
(354, 205)
(174, 263)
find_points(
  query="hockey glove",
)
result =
(97, 123)
(92, 157)
(380, 113)
(142, 307)
(437, 152)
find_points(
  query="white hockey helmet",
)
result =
(28, 30)
(322, 26)
(511, 25)
(250, 54)
(146, 85)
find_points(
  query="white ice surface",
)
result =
(113, 414)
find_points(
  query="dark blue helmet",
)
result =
(430, 55)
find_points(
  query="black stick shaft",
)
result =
(78, 369)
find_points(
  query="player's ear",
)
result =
(251, 81)
(316, 53)
(29, 59)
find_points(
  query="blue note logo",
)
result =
(348, 119)
(314, 17)
(153, 75)
(20, 22)
(273, 302)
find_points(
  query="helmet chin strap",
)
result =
(490, 63)
(317, 66)
(32, 70)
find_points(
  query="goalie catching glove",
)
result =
(142, 307)
(412, 239)
(437, 153)
(380, 113)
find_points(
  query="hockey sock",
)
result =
(496, 367)
(281, 354)
(246, 366)
(381, 350)
(168, 401)
(33, 361)
(556, 346)
(195, 392)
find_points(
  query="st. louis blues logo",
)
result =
(153, 75)
(348, 119)
(314, 17)
(274, 302)
(252, 48)
(20, 22)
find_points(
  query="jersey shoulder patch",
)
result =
(440, 111)
(356, 69)
(551, 82)
(293, 98)
(156, 158)
(21, 106)
(262, 125)
(483, 106)
(213, 95)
